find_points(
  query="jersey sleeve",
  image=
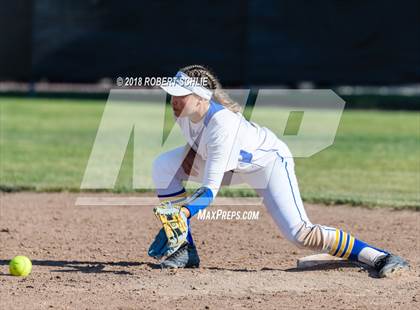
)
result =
(218, 153)
(222, 156)
(222, 153)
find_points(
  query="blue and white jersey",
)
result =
(227, 141)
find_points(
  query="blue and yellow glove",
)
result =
(174, 232)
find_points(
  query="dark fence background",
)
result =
(246, 42)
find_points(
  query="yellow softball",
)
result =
(20, 266)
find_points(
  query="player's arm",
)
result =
(174, 214)
(219, 151)
(188, 162)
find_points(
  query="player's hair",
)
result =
(198, 71)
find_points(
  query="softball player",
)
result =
(224, 148)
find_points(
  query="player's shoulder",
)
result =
(219, 115)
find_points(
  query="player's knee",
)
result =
(308, 236)
(294, 235)
(156, 168)
(297, 240)
(160, 167)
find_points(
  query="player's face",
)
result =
(184, 105)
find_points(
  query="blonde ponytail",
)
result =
(198, 71)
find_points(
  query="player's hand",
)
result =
(174, 232)
(188, 163)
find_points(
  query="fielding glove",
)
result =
(174, 232)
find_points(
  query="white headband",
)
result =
(183, 85)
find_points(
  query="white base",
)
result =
(318, 260)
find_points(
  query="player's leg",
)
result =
(169, 177)
(166, 172)
(278, 186)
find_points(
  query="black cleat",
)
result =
(185, 257)
(390, 265)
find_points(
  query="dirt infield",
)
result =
(90, 257)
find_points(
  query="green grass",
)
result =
(375, 160)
